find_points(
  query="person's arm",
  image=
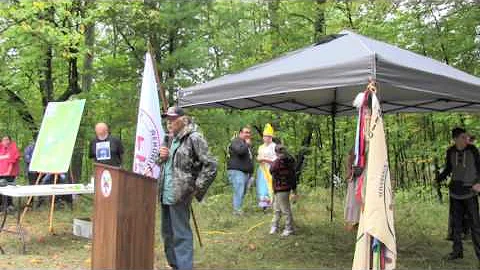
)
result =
(274, 157)
(294, 186)
(261, 157)
(476, 157)
(13, 157)
(13, 154)
(16, 154)
(10, 169)
(447, 170)
(239, 147)
(265, 160)
(208, 170)
(273, 168)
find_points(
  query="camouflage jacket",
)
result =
(194, 169)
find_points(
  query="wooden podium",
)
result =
(124, 219)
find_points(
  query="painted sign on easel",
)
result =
(56, 140)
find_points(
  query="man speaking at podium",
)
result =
(187, 171)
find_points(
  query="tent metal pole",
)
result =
(334, 148)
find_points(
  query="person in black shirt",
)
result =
(463, 163)
(105, 148)
(240, 167)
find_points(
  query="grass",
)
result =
(232, 242)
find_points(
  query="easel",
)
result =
(19, 229)
(52, 204)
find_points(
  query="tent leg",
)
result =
(334, 162)
(334, 156)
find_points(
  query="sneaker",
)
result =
(238, 213)
(454, 256)
(273, 230)
(287, 232)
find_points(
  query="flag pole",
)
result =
(160, 88)
(163, 97)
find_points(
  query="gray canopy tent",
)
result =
(324, 79)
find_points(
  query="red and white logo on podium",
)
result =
(106, 183)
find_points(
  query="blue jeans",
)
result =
(239, 181)
(177, 235)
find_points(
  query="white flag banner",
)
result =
(150, 132)
(376, 241)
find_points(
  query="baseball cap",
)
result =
(174, 112)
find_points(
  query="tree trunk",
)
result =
(46, 77)
(399, 160)
(273, 6)
(304, 149)
(46, 72)
(319, 26)
(440, 35)
(86, 81)
(90, 42)
(172, 35)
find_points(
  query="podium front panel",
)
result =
(124, 220)
(105, 218)
(136, 220)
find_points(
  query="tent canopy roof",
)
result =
(325, 78)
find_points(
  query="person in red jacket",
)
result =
(9, 162)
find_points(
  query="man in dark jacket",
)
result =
(187, 171)
(463, 163)
(105, 148)
(240, 167)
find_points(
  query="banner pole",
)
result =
(25, 209)
(52, 206)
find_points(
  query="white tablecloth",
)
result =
(46, 190)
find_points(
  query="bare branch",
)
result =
(129, 44)
(302, 17)
(20, 106)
